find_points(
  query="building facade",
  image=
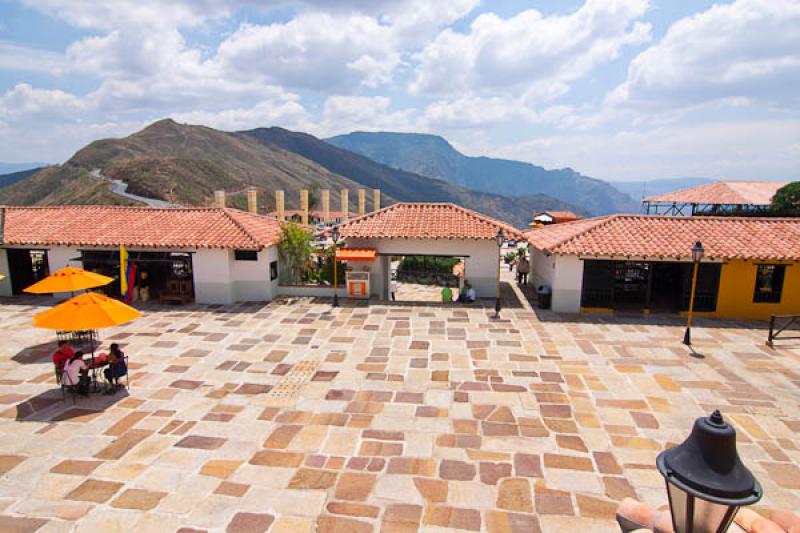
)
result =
(640, 263)
(218, 255)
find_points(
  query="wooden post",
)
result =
(345, 205)
(362, 202)
(326, 206)
(304, 206)
(376, 199)
(279, 209)
(252, 200)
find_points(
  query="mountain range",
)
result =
(433, 156)
(185, 164)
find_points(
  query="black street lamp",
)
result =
(335, 237)
(706, 481)
(697, 255)
(500, 238)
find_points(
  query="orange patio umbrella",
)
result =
(69, 279)
(86, 311)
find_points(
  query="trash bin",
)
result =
(544, 296)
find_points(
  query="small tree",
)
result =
(295, 249)
(787, 200)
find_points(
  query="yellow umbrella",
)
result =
(89, 310)
(69, 279)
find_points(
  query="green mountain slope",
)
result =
(12, 177)
(433, 156)
(185, 164)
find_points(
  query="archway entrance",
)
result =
(426, 278)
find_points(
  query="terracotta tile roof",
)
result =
(636, 236)
(407, 220)
(210, 227)
(560, 214)
(723, 193)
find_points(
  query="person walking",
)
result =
(523, 268)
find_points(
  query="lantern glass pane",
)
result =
(678, 500)
(708, 517)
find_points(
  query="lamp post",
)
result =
(335, 237)
(500, 238)
(706, 481)
(697, 256)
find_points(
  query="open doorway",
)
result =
(426, 278)
(26, 267)
(167, 276)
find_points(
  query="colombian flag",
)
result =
(127, 275)
(123, 271)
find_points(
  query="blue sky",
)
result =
(616, 89)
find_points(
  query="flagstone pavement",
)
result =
(295, 416)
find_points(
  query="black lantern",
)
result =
(698, 252)
(335, 234)
(706, 480)
(500, 238)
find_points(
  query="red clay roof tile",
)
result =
(408, 220)
(138, 226)
(758, 238)
(723, 193)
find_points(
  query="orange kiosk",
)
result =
(357, 281)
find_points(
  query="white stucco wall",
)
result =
(567, 284)
(480, 269)
(543, 268)
(563, 274)
(250, 279)
(212, 276)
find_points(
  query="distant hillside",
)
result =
(433, 156)
(7, 168)
(404, 185)
(641, 189)
(185, 164)
(13, 177)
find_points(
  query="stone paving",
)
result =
(294, 416)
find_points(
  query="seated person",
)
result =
(62, 355)
(467, 293)
(471, 295)
(116, 368)
(76, 373)
(447, 295)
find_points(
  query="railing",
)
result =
(597, 298)
(775, 328)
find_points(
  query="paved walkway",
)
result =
(294, 415)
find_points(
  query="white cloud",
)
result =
(529, 51)
(472, 111)
(316, 51)
(343, 114)
(747, 149)
(749, 49)
(23, 58)
(25, 101)
(286, 112)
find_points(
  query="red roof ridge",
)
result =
(469, 213)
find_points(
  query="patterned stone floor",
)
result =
(298, 417)
(414, 292)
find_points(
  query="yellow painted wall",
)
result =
(736, 286)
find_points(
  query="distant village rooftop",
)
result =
(208, 227)
(723, 193)
(407, 220)
(651, 236)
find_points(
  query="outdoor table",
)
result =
(94, 364)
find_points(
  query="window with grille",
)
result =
(769, 283)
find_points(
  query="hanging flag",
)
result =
(131, 282)
(123, 270)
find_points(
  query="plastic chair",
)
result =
(68, 386)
